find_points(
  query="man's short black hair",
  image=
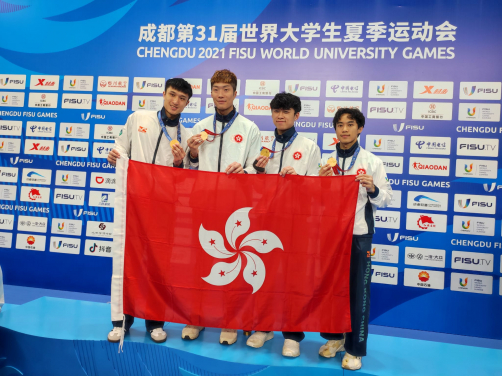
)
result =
(353, 113)
(286, 101)
(181, 85)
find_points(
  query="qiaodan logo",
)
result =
(465, 225)
(471, 113)
(468, 169)
(466, 90)
(261, 241)
(142, 102)
(464, 283)
(381, 90)
(377, 144)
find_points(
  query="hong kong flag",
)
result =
(254, 252)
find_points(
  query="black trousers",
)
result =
(129, 320)
(360, 283)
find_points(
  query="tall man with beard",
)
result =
(226, 142)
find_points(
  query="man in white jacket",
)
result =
(226, 142)
(374, 192)
(291, 154)
(157, 138)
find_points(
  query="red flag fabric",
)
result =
(254, 252)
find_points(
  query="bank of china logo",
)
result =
(4, 83)
(471, 113)
(398, 128)
(13, 161)
(77, 213)
(85, 117)
(466, 225)
(57, 245)
(393, 238)
(467, 202)
(469, 93)
(468, 169)
(421, 198)
(142, 103)
(140, 85)
(290, 88)
(261, 241)
(377, 144)
(464, 283)
(5, 99)
(381, 90)
(73, 82)
(486, 187)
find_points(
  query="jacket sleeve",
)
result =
(123, 142)
(254, 150)
(383, 194)
(314, 162)
(188, 162)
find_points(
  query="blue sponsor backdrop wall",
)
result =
(425, 73)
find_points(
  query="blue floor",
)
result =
(84, 320)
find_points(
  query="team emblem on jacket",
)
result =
(142, 129)
(361, 171)
(297, 155)
(238, 138)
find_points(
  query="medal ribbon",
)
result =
(279, 151)
(338, 169)
(163, 126)
(225, 128)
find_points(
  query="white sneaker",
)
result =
(258, 339)
(191, 331)
(331, 347)
(351, 362)
(158, 335)
(228, 336)
(291, 348)
(115, 334)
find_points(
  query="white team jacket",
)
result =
(372, 165)
(241, 143)
(139, 140)
(303, 155)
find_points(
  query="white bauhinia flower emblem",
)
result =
(223, 273)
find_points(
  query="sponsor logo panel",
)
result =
(77, 101)
(475, 204)
(479, 112)
(36, 176)
(385, 253)
(5, 239)
(388, 89)
(430, 145)
(426, 222)
(11, 99)
(196, 84)
(8, 192)
(427, 201)
(194, 106)
(433, 90)
(329, 141)
(44, 82)
(310, 135)
(74, 130)
(384, 144)
(31, 242)
(40, 129)
(35, 194)
(425, 257)
(428, 279)
(111, 102)
(78, 83)
(8, 174)
(480, 284)
(98, 248)
(310, 108)
(263, 88)
(473, 225)
(257, 107)
(393, 165)
(31, 223)
(101, 149)
(11, 127)
(39, 147)
(474, 168)
(386, 110)
(107, 131)
(12, 81)
(10, 145)
(99, 229)
(65, 245)
(395, 202)
(153, 85)
(432, 111)
(148, 103)
(480, 91)
(384, 274)
(303, 88)
(111, 83)
(388, 219)
(344, 89)
(70, 178)
(267, 138)
(43, 100)
(65, 226)
(478, 147)
(429, 166)
(102, 199)
(69, 196)
(6, 221)
(73, 149)
(103, 180)
(331, 107)
(481, 262)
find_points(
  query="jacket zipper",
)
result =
(221, 147)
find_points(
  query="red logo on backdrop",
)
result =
(238, 138)
(425, 222)
(361, 171)
(297, 155)
(40, 82)
(262, 83)
(110, 128)
(423, 276)
(102, 83)
(30, 240)
(99, 179)
(335, 141)
(43, 96)
(34, 194)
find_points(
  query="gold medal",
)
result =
(203, 135)
(173, 142)
(265, 152)
(332, 161)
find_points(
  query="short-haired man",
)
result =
(291, 154)
(226, 142)
(374, 192)
(157, 138)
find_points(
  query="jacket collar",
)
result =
(168, 122)
(346, 153)
(225, 118)
(286, 136)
